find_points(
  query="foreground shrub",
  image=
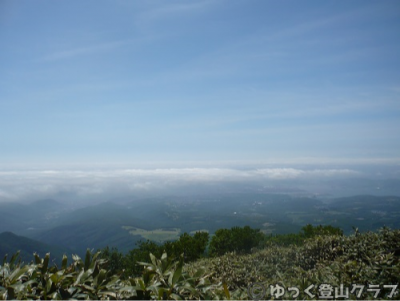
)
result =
(364, 259)
(161, 279)
(322, 261)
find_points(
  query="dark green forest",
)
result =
(240, 240)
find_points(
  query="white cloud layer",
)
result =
(103, 184)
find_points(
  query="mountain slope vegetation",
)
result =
(361, 265)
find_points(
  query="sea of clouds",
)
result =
(106, 184)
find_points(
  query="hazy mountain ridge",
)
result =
(22, 218)
(10, 243)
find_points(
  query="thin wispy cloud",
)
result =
(199, 80)
(82, 51)
(161, 11)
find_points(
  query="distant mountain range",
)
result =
(53, 227)
(21, 218)
(10, 243)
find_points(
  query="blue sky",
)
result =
(199, 81)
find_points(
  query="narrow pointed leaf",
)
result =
(45, 263)
(64, 262)
(87, 259)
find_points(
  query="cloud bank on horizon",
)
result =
(132, 81)
(108, 185)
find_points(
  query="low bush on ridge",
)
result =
(365, 259)
(334, 259)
